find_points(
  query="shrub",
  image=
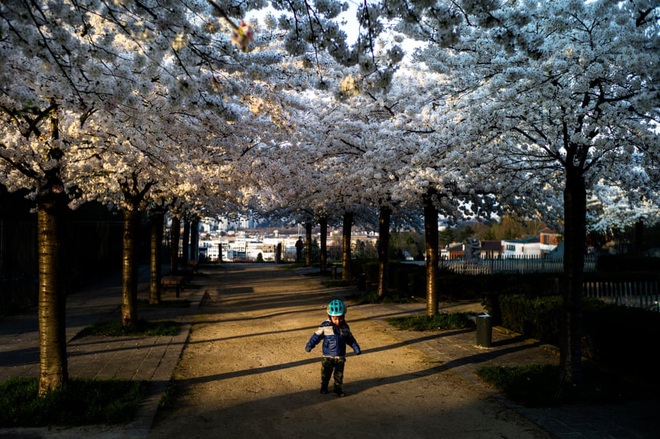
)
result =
(614, 335)
(621, 337)
(426, 323)
(627, 263)
(537, 317)
(538, 385)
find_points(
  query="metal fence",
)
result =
(511, 265)
(636, 294)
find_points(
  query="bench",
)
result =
(175, 282)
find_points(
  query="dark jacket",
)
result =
(335, 339)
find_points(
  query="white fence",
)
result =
(636, 294)
(520, 266)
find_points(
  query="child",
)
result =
(335, 334)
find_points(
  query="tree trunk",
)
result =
(129, 285)
(383, 250)
(308, 244)
(185, 244)
(51, 206)
(638, 248)
(346, 246)
(155, 289)
(323, 257)
(575, 208)
(53, 368)
(175, 234)
(194, 240)
(431, 235)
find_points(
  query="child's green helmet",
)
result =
(336, 308)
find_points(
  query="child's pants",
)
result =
(328, 365)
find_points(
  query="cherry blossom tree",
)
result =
(190, 106)
(411, 164)
(67, 66)
(368, 149)
(559, 96)
(44, 107)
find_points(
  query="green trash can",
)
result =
(484, 330)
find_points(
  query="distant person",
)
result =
(335, 334)
(299, 249)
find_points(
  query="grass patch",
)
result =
(538, 385)
(79, 402)
(143, 328)
(440, 322)
(529, 385)
(172, 392)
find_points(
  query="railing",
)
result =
(510, 265)
(636, 294)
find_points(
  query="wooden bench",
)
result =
(175, 282)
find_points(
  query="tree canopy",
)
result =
(548, 109)
(492, 106)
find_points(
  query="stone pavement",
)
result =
(99, 357)
(154, 359)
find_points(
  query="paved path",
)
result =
(155, 359)
(245, 373)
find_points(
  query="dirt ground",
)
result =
(245, 373)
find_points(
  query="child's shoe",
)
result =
(324, 389)
(338, 392)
